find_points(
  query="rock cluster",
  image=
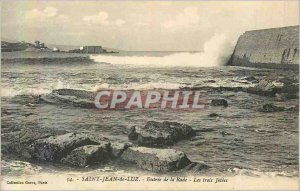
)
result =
(55, 148)
(83, 150)
(219, 102)
(269, 107)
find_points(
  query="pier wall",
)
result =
(268, 48)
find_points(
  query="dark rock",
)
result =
(55, 148)
(219, 102)
(213, 115)
(269, 107)
(156, 160)
(88, 155)
(160, 134)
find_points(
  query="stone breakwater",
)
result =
(268, 48)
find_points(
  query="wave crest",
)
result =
(216, 52)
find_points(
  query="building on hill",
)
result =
(11, 47)
(93, 49)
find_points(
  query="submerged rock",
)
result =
(213, 115)
(156, 160)
(78, 98)
(269, 107)
(89, 154)
(160, 134)
(219, 102)
(267, 87)
(55, 148)
(209, 81)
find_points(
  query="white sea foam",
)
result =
(137, 86)
(216, 52)
(257, 173)
(37, 89)
(7, 91)
(10, 91)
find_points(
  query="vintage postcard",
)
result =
(149, 95)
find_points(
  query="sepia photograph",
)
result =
(149, 95)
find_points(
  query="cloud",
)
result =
(188, 18)
(102, 19)
(119, 22)
(47, 16)
(63, 18)
(48, 12)
(142, 24)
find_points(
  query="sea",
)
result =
(240, 141)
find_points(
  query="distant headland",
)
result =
(38, 46)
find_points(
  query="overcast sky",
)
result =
(131, 25)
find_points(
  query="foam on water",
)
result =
(216, 52)
(7, 91)
(14, 167)
(45, 88)
(39, 89)
(137, 86)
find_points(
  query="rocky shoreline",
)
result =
(83, 150)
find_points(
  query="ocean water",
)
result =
(241, 140)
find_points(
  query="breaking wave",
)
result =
(136, 86)
(7, 91)
(216, 52)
